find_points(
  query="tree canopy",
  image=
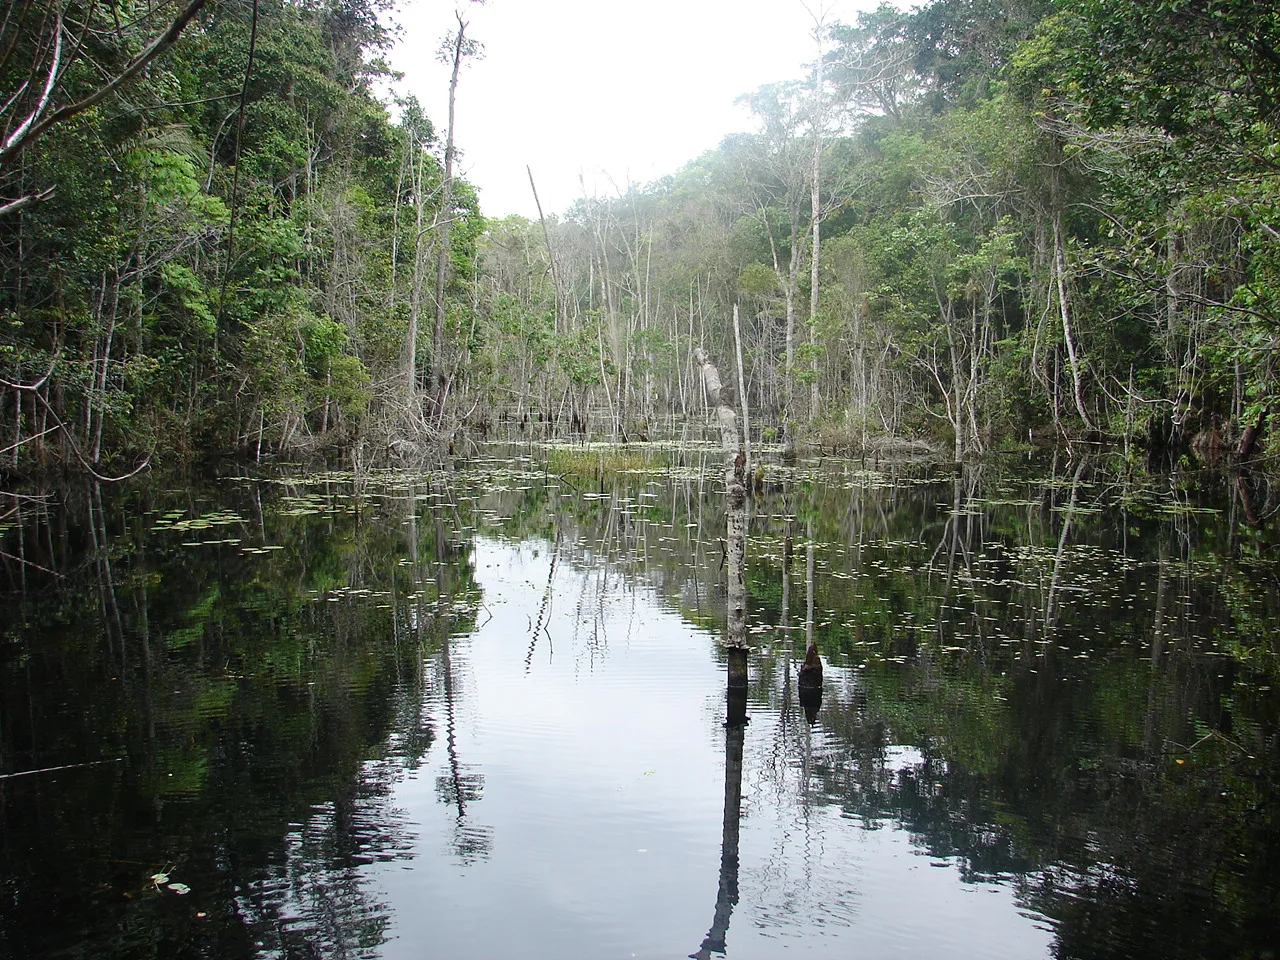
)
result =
(969, 224)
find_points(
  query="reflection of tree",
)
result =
(459, 786)
(590, 631)
(1040, 758)
(1023, 757)
(809, 681)
(544, 608)
(727, 893)
(264, 705)
(1059, 557)
(312, 900)
(261, 727)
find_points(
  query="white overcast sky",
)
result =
(599, 92)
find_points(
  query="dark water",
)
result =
(481, 713)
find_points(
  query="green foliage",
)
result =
(262, 699)
(579, 356)
(209, 279)
(1030, 216)
(598, 461)
(758, 280)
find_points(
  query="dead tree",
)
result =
(720, 400)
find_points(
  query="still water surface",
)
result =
(481, 713)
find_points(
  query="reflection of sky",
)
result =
(603, 780)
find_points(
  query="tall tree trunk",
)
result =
(551, 254)
(1064, 308)
(415, 291)
(446, 222)
(793, 278)
(736, 533)
(742, 391)
(815, 219)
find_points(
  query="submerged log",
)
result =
(736, 496)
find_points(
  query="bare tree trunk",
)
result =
(793, 276)
(415, 291)
(736, 566)
(446, 220)
(736, 533)
(604, 381)
(395, 235)
(742, 392)
(815, 217)
(1060, 271)
(956, 404)
(551, 254)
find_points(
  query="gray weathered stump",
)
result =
(736, 509)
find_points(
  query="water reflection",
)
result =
(1048, 711)
(244, 670)
(461, 785)
(727, 893)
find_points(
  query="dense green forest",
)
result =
(971, 224)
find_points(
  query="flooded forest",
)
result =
(860, 541)
(962, 228)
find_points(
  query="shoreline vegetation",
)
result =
(961, 229)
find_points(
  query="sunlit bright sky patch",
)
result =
(592, 95)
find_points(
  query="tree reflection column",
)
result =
(727, 894)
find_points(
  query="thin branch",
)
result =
(65, 766)
(159, 45)
(34, 566)
(13, 206)
(34, 390)
(20, 133)
(15, 446)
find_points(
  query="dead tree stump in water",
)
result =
(810, 680)
(735, 493)
(811, 669)
(810, 683)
